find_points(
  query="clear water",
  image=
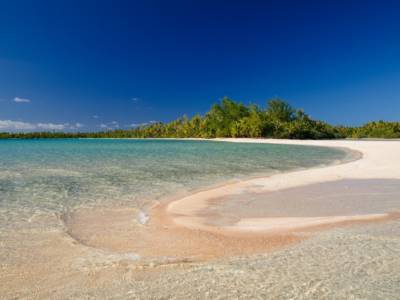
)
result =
(40, 180)
(362, 262)
(54, 176)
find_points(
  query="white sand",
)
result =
(380, 160)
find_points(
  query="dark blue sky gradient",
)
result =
(338, 60)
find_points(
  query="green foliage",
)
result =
(380, 129)
(219, 121)
(280, 111)
(233, 119)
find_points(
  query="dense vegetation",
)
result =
(232, 119)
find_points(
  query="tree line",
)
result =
(229, 118)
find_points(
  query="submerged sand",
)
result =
(380, 160)
(218, 243)
(255, 215)
(305, 206)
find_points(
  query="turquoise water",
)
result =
(55, 176)
(44, 182)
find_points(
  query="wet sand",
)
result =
(237, 225)
(379, 160)
(252, 216)
(261, 237)
(311, 205)
(161, 242)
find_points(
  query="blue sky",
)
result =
(93, 65)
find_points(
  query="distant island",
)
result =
(234, 119)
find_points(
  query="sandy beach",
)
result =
(379, 160)
(255, 215)
(268, 236)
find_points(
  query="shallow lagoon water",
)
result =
(360, 262)
(40, 180)
(54, 176)
(349, 197)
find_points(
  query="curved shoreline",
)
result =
(186, 228)
(378, 161)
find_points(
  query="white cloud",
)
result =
(113, 124)
(21, 100)
(135, 99)
(51, 126)
(15, 125)
(110, 125)
(138, 124)
(9, 125)
(75, 126)
(143, 124)
(95, 117)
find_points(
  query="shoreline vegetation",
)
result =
(234, 119)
